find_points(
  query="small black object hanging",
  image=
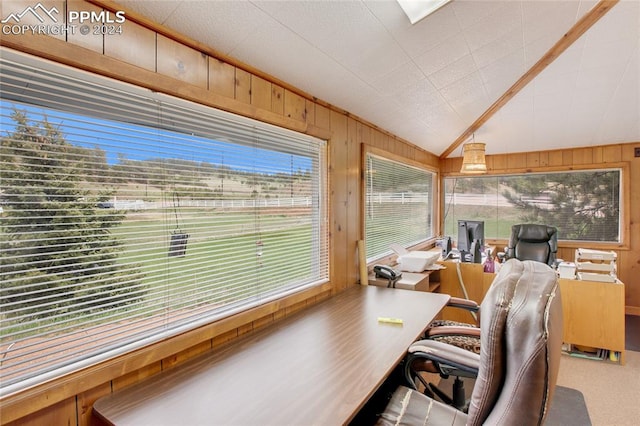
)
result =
(178, 242)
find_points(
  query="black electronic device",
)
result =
(470, 240)
(388, 273)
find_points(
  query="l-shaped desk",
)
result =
(318, 366)
(593, 311)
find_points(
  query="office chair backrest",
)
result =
(521, 335)
(533, 242)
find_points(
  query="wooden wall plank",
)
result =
(323, 117)
(555, 158)
(222, 78)
(224, 338)
(245, 328)
(277, 99)
(364, 134)
(85, 400)
(136, 376)
(296, 307)
(517, 160)
(597, 156)
(136, 46)
(294, 106)
(582, 156)
(263, 322)
(354, 200)
(533, 159)
(92, 40)
(499, 162)
(612, 154)
(310, 111)
(340, 249)
(243, 86)
(629, 261)
(61, 413)
(260, 93)
(544, 159)
(180, 357)
(183, 63)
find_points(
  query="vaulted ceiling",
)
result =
(448, 77)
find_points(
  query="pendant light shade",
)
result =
(473, 161)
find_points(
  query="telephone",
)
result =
(383, 271)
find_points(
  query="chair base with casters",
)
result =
(460, 334)
(517, 368)
(465, 365)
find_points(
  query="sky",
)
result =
(137, 142)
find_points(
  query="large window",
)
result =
(584, 205)
(127, 217)
(398, 205)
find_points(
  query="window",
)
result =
(128, 216)
(399, 205)
(584, 205)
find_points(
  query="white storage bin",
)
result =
(567, 270)
(417, 261)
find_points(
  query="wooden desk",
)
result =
(593, 312)
(318, 366)
(476, 281)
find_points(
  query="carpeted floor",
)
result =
(610, 390)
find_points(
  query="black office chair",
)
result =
(533, 242)
(517, 368)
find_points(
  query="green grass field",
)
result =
(223, 258)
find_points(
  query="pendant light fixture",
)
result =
(473, 160)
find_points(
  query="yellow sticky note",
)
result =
(390, 320)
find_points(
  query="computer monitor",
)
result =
(468, 232)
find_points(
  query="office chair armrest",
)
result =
(459, 302)
(453, 330)
(445, 354)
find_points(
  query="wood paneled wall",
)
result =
(577, 158)
(151, 56)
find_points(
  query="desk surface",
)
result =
(318, 366)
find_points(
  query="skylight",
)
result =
(419, 9)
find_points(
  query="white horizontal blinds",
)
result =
(584, 205)
(474, 198)
(126, 218)
(399, 207)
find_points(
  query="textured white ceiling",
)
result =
(428, 82)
